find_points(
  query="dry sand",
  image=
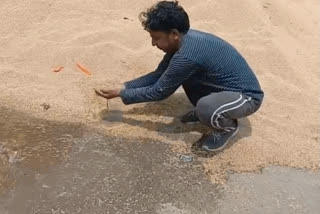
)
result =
(278, 38)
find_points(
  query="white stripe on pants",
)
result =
(220, 110)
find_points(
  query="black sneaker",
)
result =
(190, 117)
(218, 140)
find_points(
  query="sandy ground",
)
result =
(278, 38)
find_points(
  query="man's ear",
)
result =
(175, 33)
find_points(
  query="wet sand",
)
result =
(95, 173)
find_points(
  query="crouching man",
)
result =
(216, 78)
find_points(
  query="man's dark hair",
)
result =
(165, 16)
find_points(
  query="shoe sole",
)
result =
(224, 145)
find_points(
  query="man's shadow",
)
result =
(173, 107)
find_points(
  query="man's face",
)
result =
(167, 42)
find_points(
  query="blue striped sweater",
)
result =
(205, 63)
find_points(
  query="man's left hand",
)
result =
(108, 93)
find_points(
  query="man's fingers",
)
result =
(99, 91)
(105, 91)
(100, 94)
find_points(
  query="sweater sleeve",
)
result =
(178, 70)
(150, 78)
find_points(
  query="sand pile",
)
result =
(278, 38)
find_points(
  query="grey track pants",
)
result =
(221, 110)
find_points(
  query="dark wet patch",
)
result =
(33, 143)
(114, 175)
(67, 168)
(111, 116)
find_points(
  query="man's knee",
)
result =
(204, 110)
